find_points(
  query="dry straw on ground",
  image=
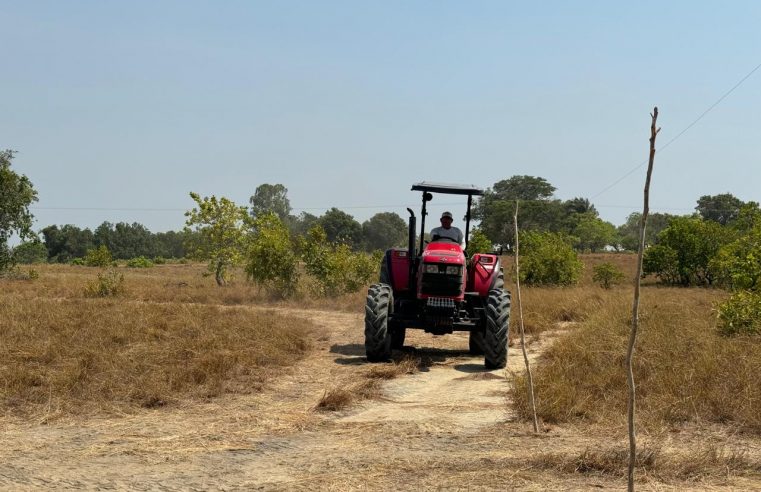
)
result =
(97, 355)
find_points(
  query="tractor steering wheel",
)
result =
(444, 238)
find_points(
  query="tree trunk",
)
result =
(635, 307)
(219, 274)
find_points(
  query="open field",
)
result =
(182, 385)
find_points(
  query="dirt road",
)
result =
(446, 427)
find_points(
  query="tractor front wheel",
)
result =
(497, 329)
(378, 307)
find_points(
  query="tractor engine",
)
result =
(441, 285)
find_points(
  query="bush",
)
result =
(740, 314)
(607, 274)
(30, 252)
(139, 262)
(271, 261)
(110, 283)
(335, 267)
(99, 257)
(685, 250)
(479, 243)
(738, 264)
(159, 260)
(548, 258)
(78, 261)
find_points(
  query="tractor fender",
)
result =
(395, 269)
(485, 274)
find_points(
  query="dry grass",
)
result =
(692, 465)
(340, 398)
(337, 399)
(103, 356)
(684, 370)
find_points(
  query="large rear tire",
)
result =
(497, 329)
(378, 307)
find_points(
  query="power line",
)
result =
(685, 130)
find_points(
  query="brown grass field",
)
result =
(173, 342)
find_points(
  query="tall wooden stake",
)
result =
(635, 307)
(520, 317)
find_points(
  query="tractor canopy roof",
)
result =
(452, 189)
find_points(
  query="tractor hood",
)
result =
(443, 252)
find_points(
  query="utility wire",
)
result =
(685, 130)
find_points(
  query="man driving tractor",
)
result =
(446, 231)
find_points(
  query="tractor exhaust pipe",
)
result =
(411, 254)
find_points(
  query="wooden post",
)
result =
(520, 317)
(635, 307)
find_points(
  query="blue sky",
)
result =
(131, 105)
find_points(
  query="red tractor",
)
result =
(438, 288)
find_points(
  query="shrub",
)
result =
(738, 264)
(685, 249)
(271, 260)
(740, 314)
(607, 274)
(479, 243)
(139, 262)
(109, 283)
(335, 267)
(159, 260)
(30, 252)
(78, 261)
(99, 257)
(548, 258)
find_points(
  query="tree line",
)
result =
(577, 220)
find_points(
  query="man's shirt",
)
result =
(451, 233)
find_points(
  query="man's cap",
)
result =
(447, 215)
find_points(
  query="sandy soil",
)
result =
(447, 427)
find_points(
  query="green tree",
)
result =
(607, 274)
(548, 258)
(269, 198)
(593, 233)
(737, 265)
(384, 230)
(220, 239)
(16, 195)
(67, 242)
(538, 211)
(479, 243)
(171, 244)
(271, 261)
(628, 233)
(125, 240)
(723, 208)
(335, 267)
(301, 224)
(687, 246)
(30, 252)
(579, 205)
(98, 257)
(748, 218)
(341, 227)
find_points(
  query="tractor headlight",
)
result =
(432, 268)
(453, 270)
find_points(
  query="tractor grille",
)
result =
(440, 284)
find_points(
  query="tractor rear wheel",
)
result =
(378, 307)
(476, 343)
(497, 329)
